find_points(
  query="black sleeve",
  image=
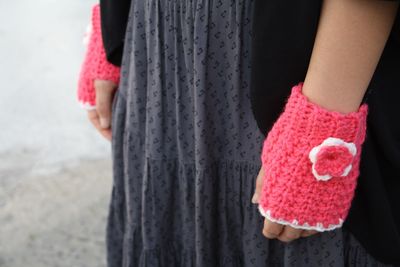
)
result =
(114, 18)
(283, 39)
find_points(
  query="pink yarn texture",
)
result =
(311, 160)
(95, 64)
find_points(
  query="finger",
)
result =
(104, 95)
(308, 233)
(289, 234)
(271, 230)
(103, 107)
(259, 182)
(94, 119)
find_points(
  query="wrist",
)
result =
(334, 96)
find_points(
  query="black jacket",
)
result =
(114, 18)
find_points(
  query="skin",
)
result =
(101, 116)
(350, 40)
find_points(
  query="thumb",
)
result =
(104, 97)
(259, 182)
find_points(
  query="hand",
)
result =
(101, 116)
(274, 230)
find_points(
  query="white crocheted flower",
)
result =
(332, 158)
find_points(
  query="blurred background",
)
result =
(55, 170)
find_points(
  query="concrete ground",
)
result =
(55, 170)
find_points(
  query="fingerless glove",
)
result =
(311, 160)
(95, 64)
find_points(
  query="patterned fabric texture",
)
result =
(186, 148)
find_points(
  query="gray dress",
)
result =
(186, 148)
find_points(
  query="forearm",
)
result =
(350, 40)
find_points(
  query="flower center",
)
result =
(333, 160)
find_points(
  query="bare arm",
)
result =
(350, 40)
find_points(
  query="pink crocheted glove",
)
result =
(311, 159)
(95, 64)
